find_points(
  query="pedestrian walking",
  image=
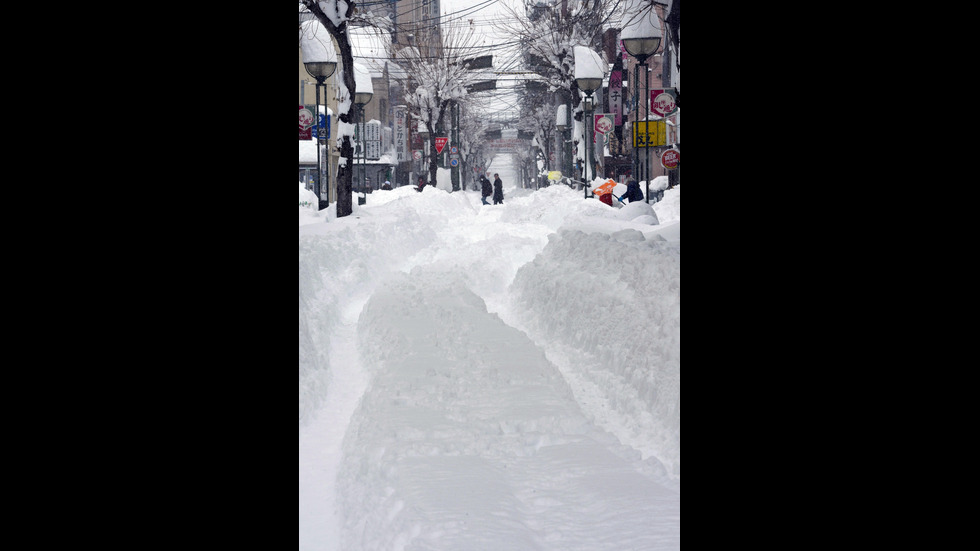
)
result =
(498, 190)
(487, 190)
(386, 185)
(421, 184)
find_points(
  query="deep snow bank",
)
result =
(469, 438)
(614, 302)
(340, 263)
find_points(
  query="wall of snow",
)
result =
(614, 300)
(340, 264)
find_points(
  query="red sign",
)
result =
(662, 101)
(441, 143)
(305, 123)
(670, 159)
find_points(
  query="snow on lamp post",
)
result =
(641, 37)
(363, 95)
(320, 61)
(561, 122)
(588, 75)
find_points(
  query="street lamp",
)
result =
(561, 123)
(588, 76)
(321, 71)
(641, 38)
(362, 98)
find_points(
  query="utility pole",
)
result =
(454, 163)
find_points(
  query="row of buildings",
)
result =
(375, 160)
(417, 27)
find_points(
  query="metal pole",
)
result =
(646, 102)
(568, 134)
(589, 144)
(316, 124)
(360, 117)
(636, 119)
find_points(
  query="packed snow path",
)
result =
(427, 422)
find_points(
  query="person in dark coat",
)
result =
(487, 189)
(633, 191)
(421, 184)
(498, 190)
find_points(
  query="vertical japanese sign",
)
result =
(372, 139)
(305, 123)
(401, 134)
(415, 136)
(616, 95)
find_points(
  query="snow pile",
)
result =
(668, 209)
(308, 203)
(638, 211)
(611, 302)
(339, 263)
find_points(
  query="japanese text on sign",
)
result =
(649, 134)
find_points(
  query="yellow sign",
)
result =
(649, 134)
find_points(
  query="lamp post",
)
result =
(589, 72)
(321, 71)
(589, 85)
(361, 98)
(641, 38)
(561, 123)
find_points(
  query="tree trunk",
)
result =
(344, 202)
(434, 161)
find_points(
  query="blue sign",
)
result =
(324, 127)
(453, 162)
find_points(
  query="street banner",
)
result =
(603, 124)
(662, 101)
(441, 143)
(616, 96)
(401, 133)
(372, 139)
(414, 134)
(649, 133)
(305, 123)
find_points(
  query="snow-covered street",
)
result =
(490, 377)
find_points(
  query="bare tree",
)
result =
(548, 36)
(439, 81)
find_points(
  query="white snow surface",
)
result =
(641, 21)
(588, 64)
(502, 377)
